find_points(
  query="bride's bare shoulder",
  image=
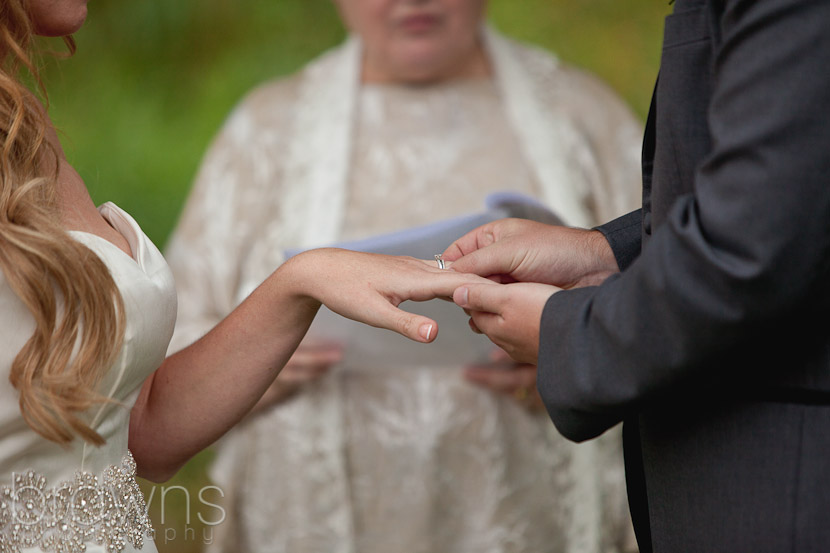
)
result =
(78, 211)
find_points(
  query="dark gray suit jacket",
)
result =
(713, 344)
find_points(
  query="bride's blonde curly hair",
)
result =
(77, 309)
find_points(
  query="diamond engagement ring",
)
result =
(440, 261)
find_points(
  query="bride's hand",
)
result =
(369, 287)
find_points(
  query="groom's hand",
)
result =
(509, 314)
(510, 250)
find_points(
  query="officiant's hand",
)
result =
(509, 314)
(505, 376)
(310, 362)
(510, 250)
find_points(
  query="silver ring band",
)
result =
(440, 261)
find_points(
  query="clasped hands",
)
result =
(526, 262)
(501, 274)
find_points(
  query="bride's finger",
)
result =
(379, 312)
(415, 327)
(435, 284)
(436, 264)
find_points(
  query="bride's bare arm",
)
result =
(202, 391)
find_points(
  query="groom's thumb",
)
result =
(480, 297)
(485, 262)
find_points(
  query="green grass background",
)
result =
(152, 82)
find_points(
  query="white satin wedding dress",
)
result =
(85, 498)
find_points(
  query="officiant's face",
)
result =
(417, 40)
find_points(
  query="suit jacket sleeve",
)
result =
(747, 251)
(623, 235)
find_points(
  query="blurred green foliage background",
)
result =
(152, 81)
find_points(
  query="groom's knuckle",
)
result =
(488, 237)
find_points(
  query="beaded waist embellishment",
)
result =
(108, 511)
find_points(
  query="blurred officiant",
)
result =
(420, 114)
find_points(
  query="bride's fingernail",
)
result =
(426, 332)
